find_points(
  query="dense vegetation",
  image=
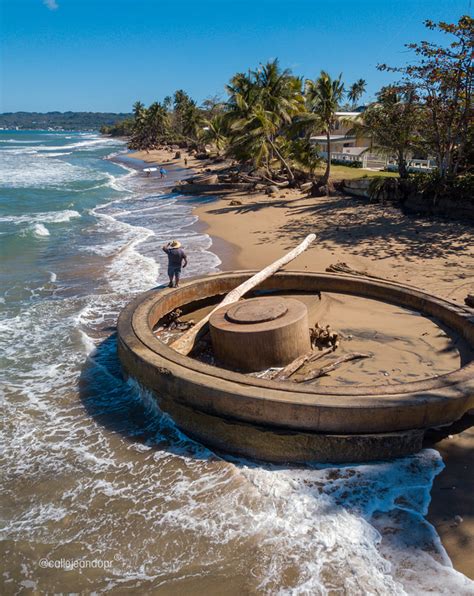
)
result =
(269, 116)
(60, 120)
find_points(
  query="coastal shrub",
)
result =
(431, 186)
(376, 188)
(349, 164)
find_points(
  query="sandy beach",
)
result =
(432, 254)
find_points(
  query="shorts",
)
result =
(172, 271)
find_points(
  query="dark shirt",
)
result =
(175, 256)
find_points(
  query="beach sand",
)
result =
(434, 255)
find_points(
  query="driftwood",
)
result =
(290, 369)
(345, 268)
(323, 337)
(185, 343)
(306, 186)
(330, 367)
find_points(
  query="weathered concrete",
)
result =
(461, 209)
(283, 408)
(217, 188)
(258, 333)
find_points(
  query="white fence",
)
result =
(373, 161)
(413, 165)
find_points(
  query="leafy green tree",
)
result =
(323, 96)
(303, 153)
(443, 78)
(212, 106)
(122, 128)
(393, 124)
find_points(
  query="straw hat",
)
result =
(175, 244)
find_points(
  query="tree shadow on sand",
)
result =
(372, 230)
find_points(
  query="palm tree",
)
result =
(187, 119)
(137, 140)
(323, 97)
(216, 132)
(156, 123)
(261, 105)
(356, 91)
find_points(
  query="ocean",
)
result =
(101, 492)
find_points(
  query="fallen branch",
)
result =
(345, 268)
(321, 372)
(185, 343)
(294, 366)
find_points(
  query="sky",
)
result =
(103, 55)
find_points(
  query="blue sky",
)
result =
(102, 55)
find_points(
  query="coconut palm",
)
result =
(261, 105)
(156, 124)
(356, 90)
(187, 118)
(137, 140)
(216, 132)
(303, 153)
(323, 96)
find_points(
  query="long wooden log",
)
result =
(297, 363)
(330, 367)
(185, 343)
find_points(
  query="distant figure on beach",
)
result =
(162, 172)
(185, 161)
(176, 258)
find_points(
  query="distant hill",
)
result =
(60, 120)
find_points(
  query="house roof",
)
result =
(348, 114)
(322, 138)
(354, 150)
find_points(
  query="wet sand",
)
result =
(434, 255)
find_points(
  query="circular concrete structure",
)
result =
(255, 334)
(285, 421)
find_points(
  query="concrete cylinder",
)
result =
(256, 334)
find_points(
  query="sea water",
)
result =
(101, 492)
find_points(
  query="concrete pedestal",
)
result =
(256, 334)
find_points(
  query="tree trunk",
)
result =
(328, 165)
(283, 161)
(402, 166)
(185, 343)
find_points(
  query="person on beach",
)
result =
(162, 172)
(176, 259)
(185, 161)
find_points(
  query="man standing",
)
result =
(176, 258)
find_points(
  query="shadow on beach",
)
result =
(369, 229)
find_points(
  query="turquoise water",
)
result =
(93, 471)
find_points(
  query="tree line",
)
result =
(270, 115)
(61, 120)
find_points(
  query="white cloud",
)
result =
(51, 4)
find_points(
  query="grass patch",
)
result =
(344, 172)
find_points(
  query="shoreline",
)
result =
(251, 234)
(225, 251)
